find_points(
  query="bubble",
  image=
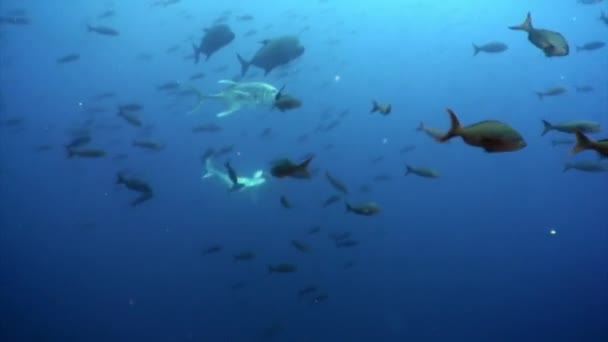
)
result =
(337, 78)
(552, 231)
(384, 140)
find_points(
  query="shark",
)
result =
(256, 180)
(237, 95)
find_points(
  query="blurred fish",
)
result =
(285, 202)
(43, 148)
(164, 3)
(377, 160)
(491, 135)
(106, 14)
(314, 230)
(604, 18)
(250, 33)
(381, 178)
(215, 38)
(491, 47)
(211, 249)
(148, 144)
(365, 209)
(225, 150)
(300, 246)
(286, 168)
(346, 243)
(245, 17)
(589, 2)
(103, 30)
(244, 256)
(591, 46)
(132, 119)
(282, 268)
(273, 53)
(207, 128)
(384, 109)
(584, 126)
(407, 148)
(421, 171)
(340, 236)
(336, 183)
(585, 143)
(78, 142)
(555, 91)
(72, 57)
(85, 153)
(308, 290)
(587, 166)
(584, 89)
(171, 85)
(103, 96)
(15, 20)
(172, 49)
(131, 107)
(197, 76)
(552, 43)
(320, 298)
(137, 185)
(330, 200)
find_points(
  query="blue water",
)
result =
(465, 257)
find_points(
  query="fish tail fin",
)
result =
(582, 143)
(420, 127)
(547, 127)
(348, 207)
(375, 107)
(455, 127)
(244, 64)
(408, 170)
(525, 26)
(199, 99)
(197, 53)
(540, 95)
(476, 49)
(303, 167)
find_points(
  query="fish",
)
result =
(286, 168)
(207, 128)
(596, 45)
(103, 30)
(15, 20)
(137, 185)
(244, 256)
(585, 143)
(307, 290)
(72, 57)
(211, 249)
(215, 38)
(197, 76)
(106, 14)
(584, 126)
(330, 200)
(340, 236)
(236, 185)
(365, 209)
(422, 171)
(584, 89)
(148, 144)
(300, 246)
(336, 183)
(587, 166)
(282, 268)
(314, 230)
(491, 47)
(431, 132)
(240, 94)
(285, 202)
(273, 53)
(589, 2)
(384, 109)
(346, 243)
(131, 107)
(555, 91)
(552, 43)
(286, 102)
(245, 17)
(250, 33)
(85, 153)
(130, 118)
(491, 135)
(322, 297)
(171, 85)
(407, 148)
(604, 18)
(78, 142)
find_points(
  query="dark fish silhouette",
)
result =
(215, 38)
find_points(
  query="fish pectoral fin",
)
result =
(233, 108)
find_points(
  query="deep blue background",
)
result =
(466, 257)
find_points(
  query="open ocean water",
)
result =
(131, 212)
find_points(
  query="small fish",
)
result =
(340, 236)
(320, 298)
(555, 91)
(584, 89)
(300, 246)
(131, 107)
(377, 160)
(604, 18)
(586, 166)
(207, 128)
(331, 200)
(78, 142)
(336, 183)
(106, 14)
(591, 46)
(308, 290)
(72, 57)
(381, 178)
(244, 256)
(585, 143)
(197, 76)
(384, 109)
(491, 135)
(421, 171)
(346, 243)
(286, 168)
(15, 20)
(85, 153)
(233, 177)
(589, 2)
(137, 185)
(103, 30)
(211, 249)
(552, 43)
(407, 148)
(314, 230)
(365, 209)
(491, 47)
(171, 85)
(148, 144)
(282, 268)
(130, 118)
(245, 17)
(285, 202)
(584, 126)
(250, 33)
